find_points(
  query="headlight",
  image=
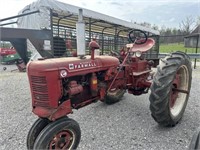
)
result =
(138, 54)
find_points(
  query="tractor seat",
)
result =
(141, 47)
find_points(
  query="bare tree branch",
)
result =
(187, 25)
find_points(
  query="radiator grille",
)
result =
(40, 91)
(39, 88)
(41, 97)
(38, 79)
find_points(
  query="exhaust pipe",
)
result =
(80, 35)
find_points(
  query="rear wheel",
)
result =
(114, 96)
(63, 133)
(35, 130)
(170, 89)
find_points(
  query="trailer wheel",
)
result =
(35, 130)
(170, 89)
(63, 133)
(114, 96)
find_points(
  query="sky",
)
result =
(168, 13)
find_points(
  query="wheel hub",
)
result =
(179, 91)
(62, 140)
(174, 93)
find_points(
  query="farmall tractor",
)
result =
(59, 85)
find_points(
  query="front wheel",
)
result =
(35, 130)
(170, 89)
(63, 133)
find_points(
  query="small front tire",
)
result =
(35, 130)
(63, 133)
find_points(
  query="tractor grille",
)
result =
(38, 79)
(39, 88)
(40, 91)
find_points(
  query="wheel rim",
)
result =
(62, 140)
(177, 98)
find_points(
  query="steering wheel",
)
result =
(137, 36)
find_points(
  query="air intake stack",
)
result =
(80, 34)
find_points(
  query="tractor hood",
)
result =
(73, 65)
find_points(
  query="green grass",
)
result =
(167, 48)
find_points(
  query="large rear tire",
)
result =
(170, 89)
(63, 133)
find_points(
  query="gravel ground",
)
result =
(125, 125)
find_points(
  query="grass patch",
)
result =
(167, 48)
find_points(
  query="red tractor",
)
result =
(59, 85)
(7, 51)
